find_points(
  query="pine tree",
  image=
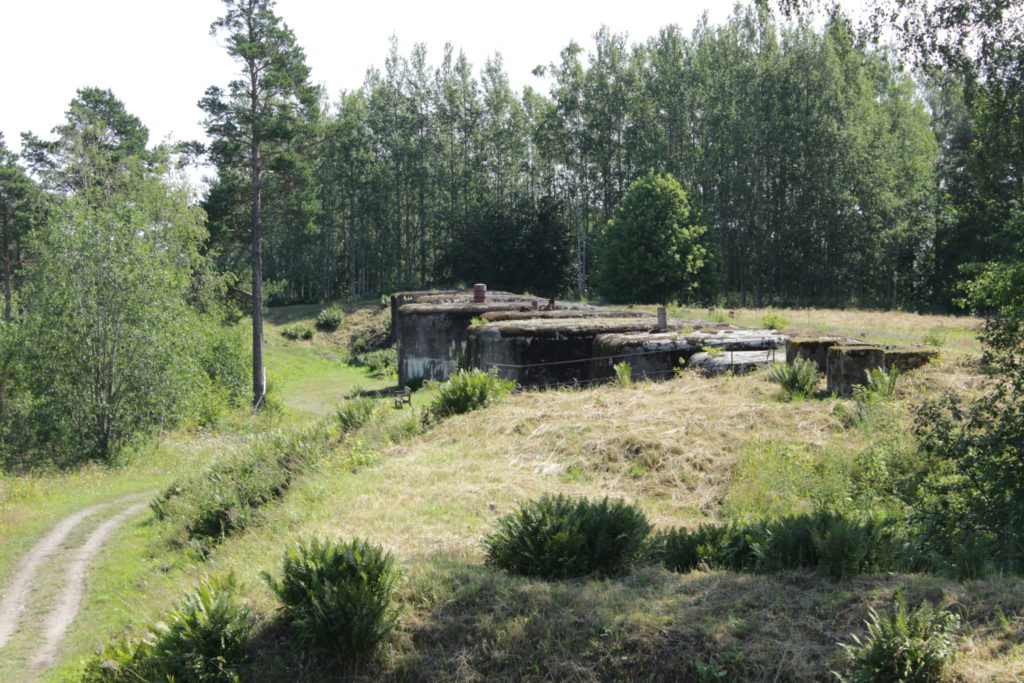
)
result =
(256, 124)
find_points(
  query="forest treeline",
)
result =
(817, 171)
(826, 173)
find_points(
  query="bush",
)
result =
(337, 596)
(799, 379)
(357, 412)
(379, 362)
(881, 383)
(832, 543)
(330, 318)
(202, 639)
(228, 496)
(911, 646)
(624, 373)
(556, 537)
(469, 390)
(295, 332)
(773, 321)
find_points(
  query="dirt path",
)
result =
(15, 597)
(76, 564)
(64, 612)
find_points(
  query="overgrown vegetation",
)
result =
(469, 390)
(904, 645)
(557, 537)
(330, 318)
(336, 596)
(798, 379)
(834, 544)
(623, 374)
(228, 496)
(357, 412)
(297, 332)
(204, 638)
(378, 362)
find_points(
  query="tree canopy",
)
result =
(655, 249)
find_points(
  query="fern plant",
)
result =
(557, 537)
(623, 373)
(337, 595)
(799, 379)
(469, 390)
(911, 646)
(882, 383)
(330, 318)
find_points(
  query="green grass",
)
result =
(312, 377)
(686, 451)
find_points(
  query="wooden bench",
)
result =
(403, 396)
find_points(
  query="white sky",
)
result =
(158, 57)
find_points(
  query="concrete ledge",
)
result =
(849, 365)
(814, 349)
(909, 357)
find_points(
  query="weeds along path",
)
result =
(76, 562)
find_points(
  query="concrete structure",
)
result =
(430, 327)
(657, 355)
(813, 349)
(909, 357)
(849, 364)
(547, 351)
(736, 362)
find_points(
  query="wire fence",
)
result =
(534, 371)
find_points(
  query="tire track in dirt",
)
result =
(16, 595)
(64, 612)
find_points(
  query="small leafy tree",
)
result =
(107, 336)
(655, 249)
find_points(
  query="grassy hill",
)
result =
(686, 451)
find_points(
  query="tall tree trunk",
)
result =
(259, 387)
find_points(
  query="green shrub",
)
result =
(834, 544)
(379, 362)
(295, 332)
(330, 318)
(883, 383)
(229, 495)
(469, 390)
(713, 351)
(357, 412)
(903, 645)
(677, 549)
(773, 321)
(799, 379)
(556, 537)
(337, 596)
(202, 639)
(624, 373)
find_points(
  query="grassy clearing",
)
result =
(687, 451)
(954, 335)
(313, 376)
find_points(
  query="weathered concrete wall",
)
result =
(545, 351)
(736, 362)
(849, 365)
(909, 357)
(656, 355)
(431, 330)
(814, 349)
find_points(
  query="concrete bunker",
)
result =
(547, 351)
(430, 328)
(657, 354)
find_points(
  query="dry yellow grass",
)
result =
(685, 451)
(955, 335)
